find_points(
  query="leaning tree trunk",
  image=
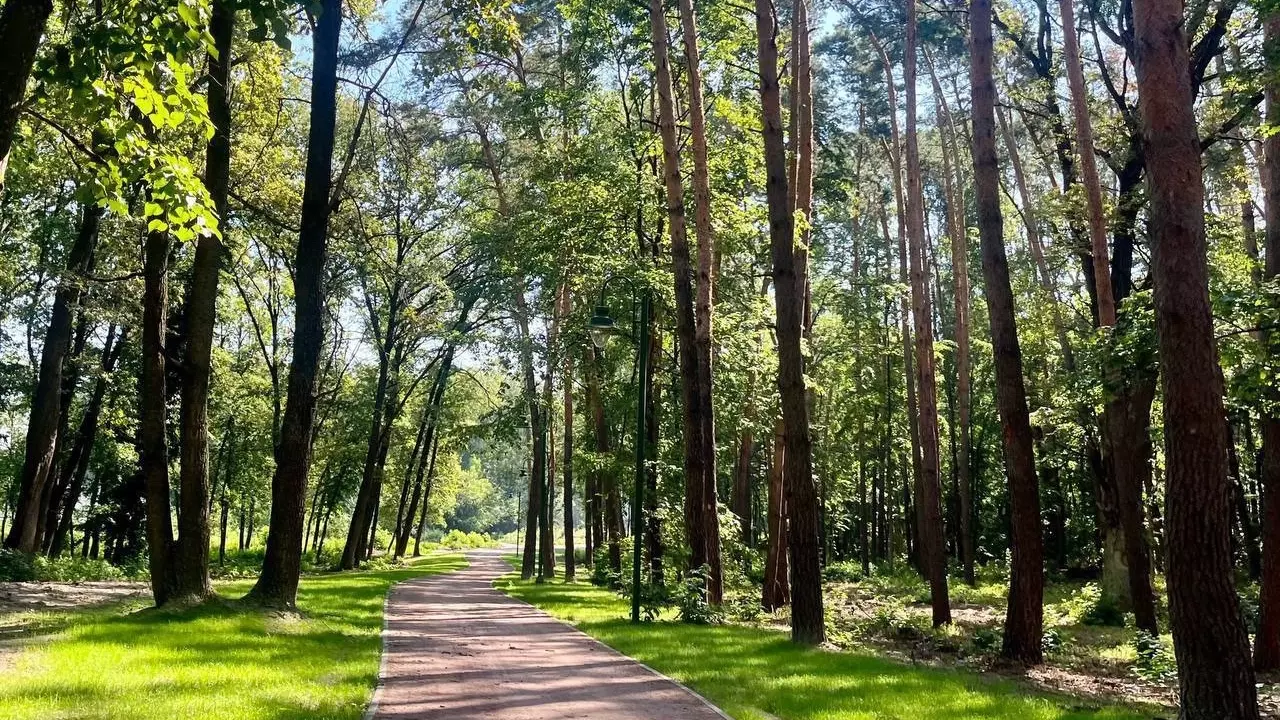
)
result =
(42, 428)
(278, 584)
(192, 558)
(22, 24)
(1266, 654)
(1024, 619)
(708, 512)
(77, 464)
(807, 622)
(1210, 641)
(929, 493)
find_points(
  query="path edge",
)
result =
(375, 698)
(699, 696)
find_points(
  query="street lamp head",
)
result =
(601, 326)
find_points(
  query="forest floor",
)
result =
(1089, 652)
(217, 660)
(756, 673)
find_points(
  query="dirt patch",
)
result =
(21, 597)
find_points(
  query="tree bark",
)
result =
(953, 187)
(278, 584)
(1215, 676)
(1266, 654)
(929, 493)
(192, 556)
(776, 592)
(566, 473)
(803, 516)
(1024, 619)
(695, 461)
(22, 25)
(704, 299)
(42, 427)
(153, 443)
(1088, 166)
(77, 463)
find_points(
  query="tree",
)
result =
(281, 567)
(1024, 619)
(929, 492)
(807, 622)
(1215, 678)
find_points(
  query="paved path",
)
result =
(457, 649)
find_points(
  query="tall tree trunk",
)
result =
(954, 189)
(1088, 166)
(895, 159)
(929, 493)
(42, 428)
(803, 516)
(22, 25)
(1209, 638)
(1266, 654)
(278, 584)
(708, 512)
(566, 474)
(695, 465)
(1024, 619)
(153, 443)
(192, 557)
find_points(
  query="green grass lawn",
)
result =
(215, 661)
(757, 674)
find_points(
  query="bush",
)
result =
(691, 600)
(1087, 606)
(1156, 662)
(459, 540)
(1051, 641)
(19, 567)
(987, 640)
(845, 571)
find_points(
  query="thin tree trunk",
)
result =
(704, 301)
(1215, 677)
(566, 474)
(954, 190)
(695, 461)
(278, 584)
(77, 464)
(929, 493)
(42, 428)
(1024, 619)
(1088, 166)
(803, 515)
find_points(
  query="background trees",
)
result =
(362, 315)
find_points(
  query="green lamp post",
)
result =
(602, 327)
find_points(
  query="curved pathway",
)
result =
(457, 649)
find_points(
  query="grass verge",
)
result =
(217, 660)
(757, 674)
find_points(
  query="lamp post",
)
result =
(602, 327)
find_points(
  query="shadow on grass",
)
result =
(219, 659)
(758, 674)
